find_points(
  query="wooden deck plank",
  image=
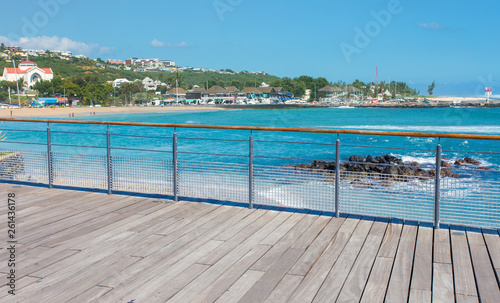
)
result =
(307, 289)
(487, 284)
(317, 248)
(358, 277)
(338, 274)
(493, 245)
(240, 287)
(88, 246)
(422, 264)
(465, 282)
(281, 293)
(376, 287)
(442, 283)
(399, 284)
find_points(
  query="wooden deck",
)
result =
(90, 247)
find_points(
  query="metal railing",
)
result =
(346, 187)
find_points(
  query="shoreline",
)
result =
(65, 112)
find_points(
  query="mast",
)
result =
(377, 84)
(17, 82)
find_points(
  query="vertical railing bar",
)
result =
(250, 171)
(437, 187)
(337, 176)
(108, 161)
(49, 156)
(174, 163)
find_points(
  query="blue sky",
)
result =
(455, 43)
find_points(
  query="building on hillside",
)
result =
(329, 92)
(28, 72)
(150, 63)
(149, 84)
(218, 94)
(14, 48)
(119, 82)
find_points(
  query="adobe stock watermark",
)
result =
(41, 18)
(364, 36)
(224, 6)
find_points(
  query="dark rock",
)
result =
(467, 160)
(391, 170)
(357, 159)
(445, 164)
(370, 159)
(483, 168)
(456, 176)
(415, 164)
(446, 172)
(357, 168)
(380, 160)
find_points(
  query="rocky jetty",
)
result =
(389, 167)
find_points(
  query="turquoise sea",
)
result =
(447, 120)
(219, 169)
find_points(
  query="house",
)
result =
(29, 72)
(252, 93)
(149, 84)
(195, 93)
(353, 90)
(328, 92)
(217, 93)
(175, 95)
(119, 82)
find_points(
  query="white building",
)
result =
(28, 72)
(119, 82)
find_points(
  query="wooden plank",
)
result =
(493, 244)
(219, 286)
(358, 277)
(376, 286)
(421, 280)
(317, 248)
(467, 299)
(465, 283)
(442, 246)
(420, 296)
(279, 248)
(195, 288)
(307, 289)
(442, 283)
(378, 281)
(240, 287)
(90, 294)
(338, 274)
(263, 288)
(399, 284)
(487, 284)
(282, 292)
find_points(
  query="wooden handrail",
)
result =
(266, 128)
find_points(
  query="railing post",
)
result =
(337, 177)
(108, 161)
(250, 172)
(49, 156)
(174, 163)
(437, 188)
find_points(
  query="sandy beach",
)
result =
(65, 112)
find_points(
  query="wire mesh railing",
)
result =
(438, 191)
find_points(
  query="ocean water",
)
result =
(446, 120)
(218, 169)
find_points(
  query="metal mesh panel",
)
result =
(297, 188)
(26, 166)
(79, 170)
(470, 201)
(142, 175)
(387, 195)
(210, 180)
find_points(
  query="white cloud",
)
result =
(57, 43)
(432, 26)
(157, 43)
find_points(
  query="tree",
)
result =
(431, 88)
(2, 47)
